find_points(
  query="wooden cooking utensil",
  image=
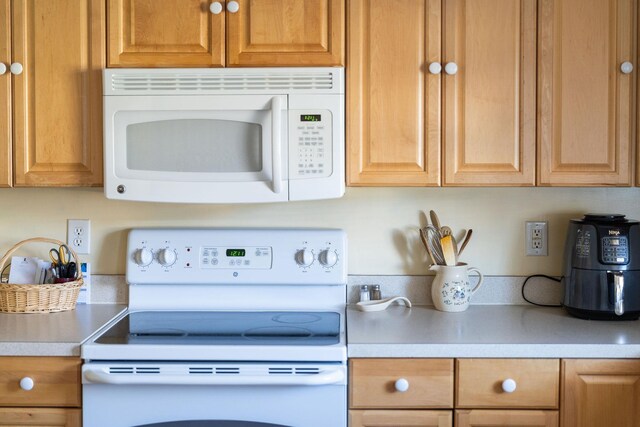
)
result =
(466, 239)
(448, 251)
(423, 237)
(434, 220)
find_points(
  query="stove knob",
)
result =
(167, 257)
(143, 257)
(304, 257)
(328, 258)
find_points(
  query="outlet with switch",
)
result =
(78, 235)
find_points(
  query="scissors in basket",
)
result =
(60, 258)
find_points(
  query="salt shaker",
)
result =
(364, 293)
(375, 293)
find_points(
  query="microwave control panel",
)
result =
(310, 138)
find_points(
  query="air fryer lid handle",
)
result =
(600, 217)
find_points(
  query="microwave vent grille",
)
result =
(208, 83)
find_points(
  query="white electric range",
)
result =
(225, 328)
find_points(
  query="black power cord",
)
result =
(535, 303)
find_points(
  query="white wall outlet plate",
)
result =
(536, 238)
(78, 235)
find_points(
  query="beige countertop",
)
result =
(488, 331)
(53, 334)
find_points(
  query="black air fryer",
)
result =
(602, 267)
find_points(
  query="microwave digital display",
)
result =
(236, 252)
(311, 118)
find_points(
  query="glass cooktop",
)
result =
(225, 328)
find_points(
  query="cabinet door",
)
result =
(585, 100)
(506, 418)
(490, 102)
(600, 393)
(58, 97)
(404, 418)
(165, 33)
(5, 94)
(286, 33)
(393, 103)
(50, 417)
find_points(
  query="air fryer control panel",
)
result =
(615, 250)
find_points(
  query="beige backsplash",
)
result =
(110, 289)
(381, 223)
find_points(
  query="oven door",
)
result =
(196, 149)
(202, 394)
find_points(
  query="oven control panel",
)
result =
(235, 258)
(244, 256)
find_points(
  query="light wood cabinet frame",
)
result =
(393, 102)
(585, 103)
(57, 99)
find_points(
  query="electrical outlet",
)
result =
(79, 235)
(536, 238)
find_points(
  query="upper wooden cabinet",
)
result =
(446, 91)
(5, 94)
(489, 106)
(414, 87)
(600, 393)
(585, 99)
(393, 103)
(189, 33)
(52, 114)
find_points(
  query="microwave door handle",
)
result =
(276, 143)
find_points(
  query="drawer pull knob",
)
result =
(509, 385)
(26, 383)
(402, 385)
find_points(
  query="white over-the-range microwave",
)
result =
(224, 135)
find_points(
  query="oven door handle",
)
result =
(325, 377)
(276, 143)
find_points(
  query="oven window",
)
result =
(195, 145)
(212, 424)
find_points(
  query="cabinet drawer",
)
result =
(480, 382)
(400, 418)
(56, 381)
(376, 383)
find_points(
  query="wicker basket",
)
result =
(36, 298)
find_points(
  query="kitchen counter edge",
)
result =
(54, 334)
(487, 331)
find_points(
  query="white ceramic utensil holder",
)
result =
(450, 289)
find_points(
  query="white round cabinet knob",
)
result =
(143, 257)
(167, 257)
(215, 7)
(328, 258)
(509, 385)
(626, 67)
(304, 257)
(451, 68)
(402, 385)
(233, 6)
(16, 68)
(435, 68)
(3, 68)
(26, 383)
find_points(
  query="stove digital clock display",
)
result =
(236, 252)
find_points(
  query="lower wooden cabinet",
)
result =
(49, 417)
(539, 392)
(403, 418)
(484, 383)
(506, 418)
(40, 391)
(600, 393)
